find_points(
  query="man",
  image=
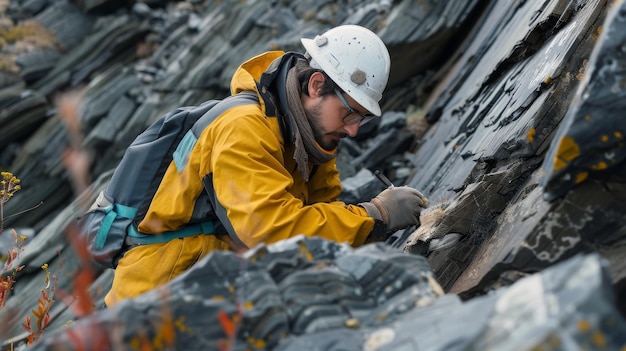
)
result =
(271, 165)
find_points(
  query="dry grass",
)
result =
(20, 38)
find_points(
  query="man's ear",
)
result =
(316, 81)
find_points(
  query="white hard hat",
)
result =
(356, 59)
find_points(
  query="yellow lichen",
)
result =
(584, 326)
(257, 343)
(581, 71)
(597, 34)
(567, 151)
(554, 341)
(599, 166)
(180, 324)
(303, 251)
(581, 177)
(531, 135)
(29, 34)
(598, 339)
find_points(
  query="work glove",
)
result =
(397, 207)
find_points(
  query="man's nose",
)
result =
(351, 129)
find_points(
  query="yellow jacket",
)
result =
(259, 192)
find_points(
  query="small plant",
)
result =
(230, 325)
(8, 186)
(7, 278)
(42, 312)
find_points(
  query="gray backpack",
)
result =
(110, 225)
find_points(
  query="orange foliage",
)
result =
(79, 299)
(7, 281)
(227, 324)
(42, 315)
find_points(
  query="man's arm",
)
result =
(251, 182)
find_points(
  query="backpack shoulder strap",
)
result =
(180, 155)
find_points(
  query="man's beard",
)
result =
(314, 117)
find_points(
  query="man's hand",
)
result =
(397, 207)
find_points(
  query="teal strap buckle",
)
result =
(112, 211)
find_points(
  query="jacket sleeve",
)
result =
(325, 185)
(245, 156)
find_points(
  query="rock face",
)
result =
(521, 173)
(299, 286)
(505, 114)
(310, 294)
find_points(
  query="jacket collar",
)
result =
(272, 88)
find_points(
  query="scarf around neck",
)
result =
(306, 147)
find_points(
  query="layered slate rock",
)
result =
(295, 287)
(568, 306)
(481, 165)
(311, 294)
(590, 142)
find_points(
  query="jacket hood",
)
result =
(266, 74)
(248, 75)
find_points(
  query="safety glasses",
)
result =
(353, 116)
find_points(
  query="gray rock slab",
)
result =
(363, 186)
(499, 113)
(567, 306)
(93, 43)
(533, 233)
(75, 25)
(382, 147)
(419, 35)
(590, 140)
(21, 112)
(297, 286)
(39, 166)
(100, 100)
(35, 64)
(33, 7)
(107, 129)
(99, 6)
